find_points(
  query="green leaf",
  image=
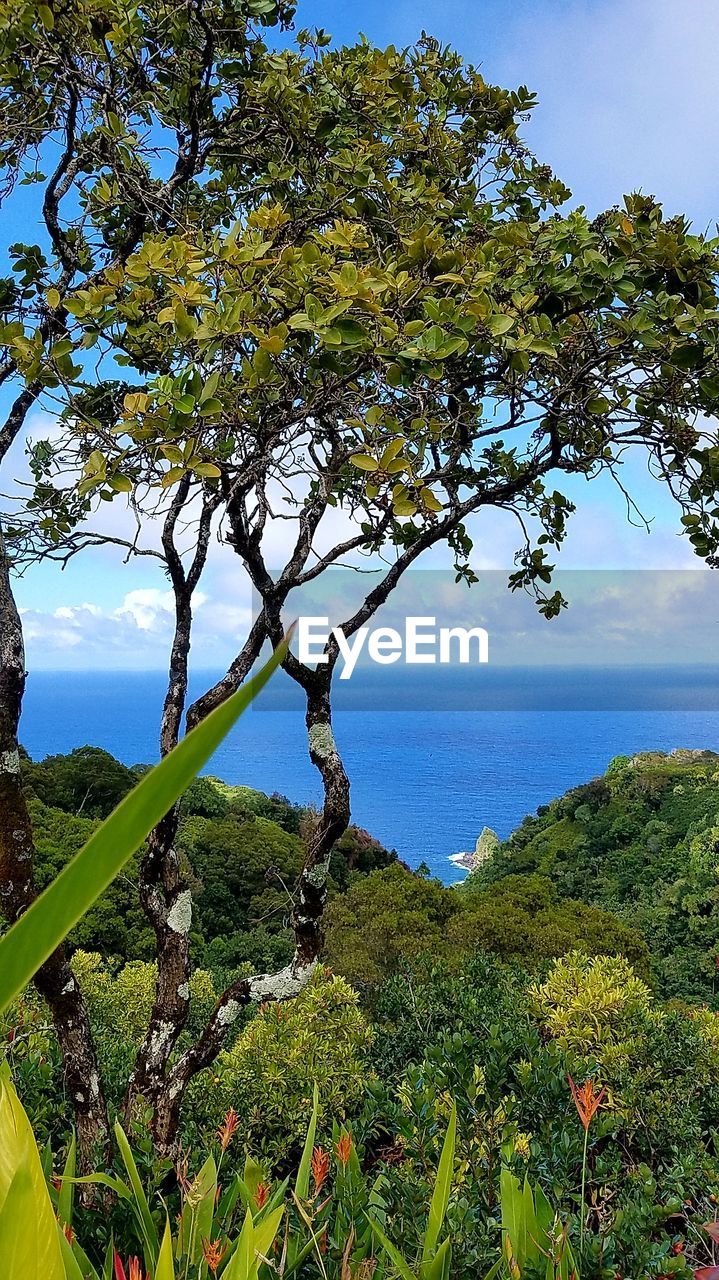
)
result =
(46, 16)
(142, 1207)
(253, 1175)
(241, 1264)
(390, 453)
(266, 1230)
(392, 1253)
(165, 1269)
(29, 1244)
(210, 408)
(438, 1267)
(499, 324)
(207, 469)
(442, 1189)
(302, 1182)
(430, 500)
(73, 1270)
(364, 461)
(351, 331)
(34, 937)
(67, 1189)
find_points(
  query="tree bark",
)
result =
(309, 903)
(55, 980)
(165, 897)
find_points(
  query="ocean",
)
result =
(431, 759)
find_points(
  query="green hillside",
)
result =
(642, 842)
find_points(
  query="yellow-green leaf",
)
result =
(364, 461)
(165, 1269)
(430, 500)
(29, 1244)
(207, 469)
(393, 448)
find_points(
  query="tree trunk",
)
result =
(55, 980)
(309, 903)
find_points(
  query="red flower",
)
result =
(262, 1195)
(213, 1253)
(227, 1129)
(134, 1272)
(320, 1167)
(706, 1273)
(587, 1100)
(344, 1149)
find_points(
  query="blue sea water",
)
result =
(430, 764)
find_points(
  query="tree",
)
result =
(355, 292)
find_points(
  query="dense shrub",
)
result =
(88, 781)
(391, 918)
(595, 1008)
(320, 1038)
(119, 1002)
(242, 852)
(385, 922)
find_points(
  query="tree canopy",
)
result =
(282, 286)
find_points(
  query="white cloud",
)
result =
(148, 608)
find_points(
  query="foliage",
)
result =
(34, 936)
(358, 233)
(388, 920)
(533, 1239)
(595, 1008)
(88, 781)
(119, 1005)
(29, 1241)
(642, 843)
(474, 1035)
(435, 1259)
(384, 922)
(319, 1039)
(235, 1227)
(243, 849)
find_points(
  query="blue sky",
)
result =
(628, 99)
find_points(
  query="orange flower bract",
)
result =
(587, 1099)
(261, 1195)
(213, 1253)
(320, 1167)
(134, 1271)
(227, 1129)
(344, 1149)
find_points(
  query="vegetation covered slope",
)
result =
(244, 851)
(642, 842)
